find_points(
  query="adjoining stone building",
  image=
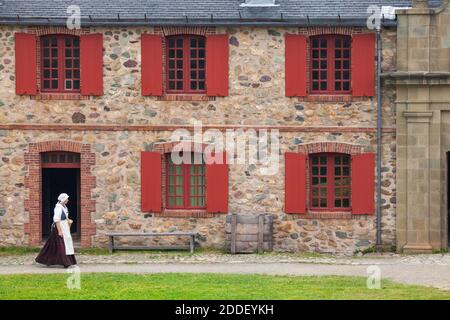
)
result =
(92, 112)
(422, 82)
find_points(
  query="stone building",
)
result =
(422, 82)
(92, 112)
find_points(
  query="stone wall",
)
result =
(256, 98)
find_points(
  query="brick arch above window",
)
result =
(314, 31)
(47, 30)
(167, 147)
(195, 30)
(330, 147)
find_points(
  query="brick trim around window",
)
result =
(164, 148)
(40, 31)
(172, 31)
(326, 147)
(33, 182)
(316, 31)
(330, 147)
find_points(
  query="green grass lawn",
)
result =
(206, 286)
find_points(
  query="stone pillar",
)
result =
(417, 182)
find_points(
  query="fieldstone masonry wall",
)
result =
(256, 98)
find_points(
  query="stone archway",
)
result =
(33, 182)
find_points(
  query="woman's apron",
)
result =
(65, 228)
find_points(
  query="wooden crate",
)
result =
(248, 233)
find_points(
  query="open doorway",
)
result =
(448, 199)
(60, 173)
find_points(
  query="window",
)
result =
(330, 64)
(186, 185)
(60, 64)
(186, 64)
(330, 182)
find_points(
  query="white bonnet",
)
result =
(63, 197)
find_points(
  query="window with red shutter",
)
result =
(217, 65)
(363, 183)
(151, 182)
(363, 65)
(295, 65)
(26, 64)
(151, 65)
(186, 64)
(60, 63)
(217, 184)
(185, 184)
(330, 64)
(295, 183)
(330, 183)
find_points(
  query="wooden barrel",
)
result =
(248, 233)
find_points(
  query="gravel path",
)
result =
(429, 270)
(429, 275)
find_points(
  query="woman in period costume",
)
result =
(58, 250)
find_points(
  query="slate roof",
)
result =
(217, 12)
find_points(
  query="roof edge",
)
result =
(186, 21)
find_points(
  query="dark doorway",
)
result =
(56, 179)
(448, 198)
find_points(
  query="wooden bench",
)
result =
(113, 246)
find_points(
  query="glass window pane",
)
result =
(346, 171)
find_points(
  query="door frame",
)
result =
(33, 184)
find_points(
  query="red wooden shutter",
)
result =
(295, 65)
(26, 64)
(363, 181)
(152, 65)
(295, 183)
(151, 182)
(363, 65)
(91, 61)
(217, 185)
(217, 65)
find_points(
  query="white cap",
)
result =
(63, 197)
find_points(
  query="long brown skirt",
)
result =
(54, 252)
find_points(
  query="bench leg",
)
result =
(192, 244)
(111, 244)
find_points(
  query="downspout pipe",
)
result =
(379, 137)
